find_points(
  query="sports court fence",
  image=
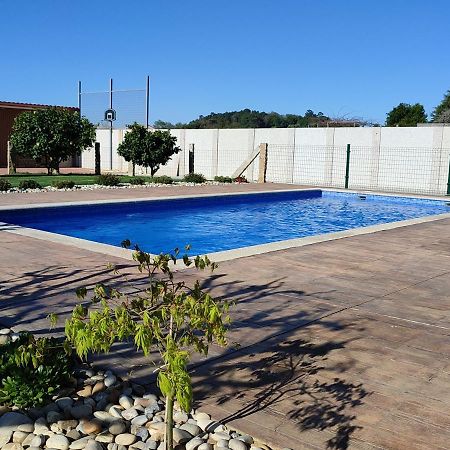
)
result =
(388, 169)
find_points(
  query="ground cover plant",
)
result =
(32, 370)
(169, 316)
(221, 179)
(194, 178)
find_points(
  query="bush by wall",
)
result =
(194, 178)
(108, 179)
(29, 184)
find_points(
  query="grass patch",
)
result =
(52, 180)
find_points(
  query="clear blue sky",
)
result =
(351, 57)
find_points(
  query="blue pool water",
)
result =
(211, 224)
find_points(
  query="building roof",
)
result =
(18, 105)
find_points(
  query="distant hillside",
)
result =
(251, 119)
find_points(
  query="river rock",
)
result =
(115, 411)
(104, 416)
(193, 444)
(64, 402)
(93, 445)
(91, 426)
(246, 438)
(181, 436)
(81, 411)
(105, 437)
(205, 446)
(12, 446)
(19, 436)
(180, 417)
(125, 439)
(9, 423)
(139, 420)
(129, 414)
(85, 392)
(37, 441)
(125, 402)
(195, 430)
(110, 380)
(79, 443)
(98, 387)
(237, 444)
(117, 427)
(26, 427)
(58, 441)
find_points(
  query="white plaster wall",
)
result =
(234, 146)
(393, 159)
(205, 142)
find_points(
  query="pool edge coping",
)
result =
(225, 255)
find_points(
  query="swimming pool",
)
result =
(216, 223)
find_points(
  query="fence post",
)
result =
(448, 179)
(347, 166)
(11, 165)
(262, 163)
(191, 158)
(97, 158)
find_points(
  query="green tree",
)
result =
(406, 115)
(441, 113)
(51, 135)
(147, 148)
(167, 315)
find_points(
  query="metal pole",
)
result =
(347, 166)
(110, 125)
(147, 102)
(79, 97)
(448, 179)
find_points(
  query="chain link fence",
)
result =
(387, 169)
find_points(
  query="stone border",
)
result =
(225, 255)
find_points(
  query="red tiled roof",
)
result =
(18, 105)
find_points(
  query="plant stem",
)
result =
(169, 422)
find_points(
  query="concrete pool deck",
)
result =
(343, 343)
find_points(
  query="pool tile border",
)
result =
(225, 255)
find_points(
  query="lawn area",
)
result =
(48, 180)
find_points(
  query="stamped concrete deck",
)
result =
(343, 344)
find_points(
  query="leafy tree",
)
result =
(247, 118)
(51, 135)
(441, 113)
(406, 115)
(167, 315)
(146, 148)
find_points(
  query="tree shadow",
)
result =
(293, 377)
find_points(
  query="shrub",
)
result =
(137, 181)
(241, 179)
(5, 185)
(163, 179)
(33, 370)
(194, 178)
(29, 184)
(223, 179)
(64, 184)
(108, 179)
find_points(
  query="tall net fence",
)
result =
(130, 106)
(387, 169)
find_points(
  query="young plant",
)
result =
(168, 315)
